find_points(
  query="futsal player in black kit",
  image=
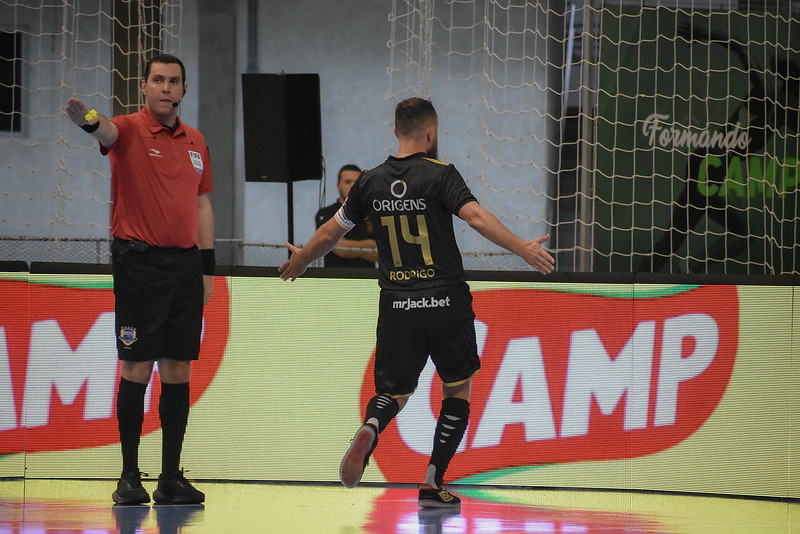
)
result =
(425, 303)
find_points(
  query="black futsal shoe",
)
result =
(357, 456)
(130, 490)
(430, 497)
(175, 489)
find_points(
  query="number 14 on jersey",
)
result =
(421, 239)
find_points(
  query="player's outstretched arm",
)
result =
(322, 242)
(78, 112)
(489, 227)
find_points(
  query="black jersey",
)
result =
(411, 202)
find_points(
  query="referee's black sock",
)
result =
(130, 414)
(382, 408)
(173, 408)
(450, 429)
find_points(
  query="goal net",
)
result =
(493, 71)
(643, 136)
(697, 139)
(54, 184)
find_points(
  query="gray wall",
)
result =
(345, 43)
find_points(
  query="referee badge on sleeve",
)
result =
(127, 334)
(197, 161)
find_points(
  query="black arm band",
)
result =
(89, 128)
(209, 261)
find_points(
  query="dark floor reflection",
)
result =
(129, 518)
(396, 510)
(170, 519)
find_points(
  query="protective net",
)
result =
(655, 136)
(55, 197)
(697, 140)
(642, 136)
(488, 68)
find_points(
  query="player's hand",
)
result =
(535, 254)
(77, 110)
(294, 266)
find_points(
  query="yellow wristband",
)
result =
(89, 116)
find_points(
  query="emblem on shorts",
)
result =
(127, 334)
(197, 161)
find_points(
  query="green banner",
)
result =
(697, 142)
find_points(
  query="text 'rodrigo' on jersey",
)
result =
(411, 202)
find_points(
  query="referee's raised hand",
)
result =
(77, 111)
(91, 122)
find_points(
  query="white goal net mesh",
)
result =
(54, 184)
(656, 135)
(643, 136)
(492, 71)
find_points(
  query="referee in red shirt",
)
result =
(163, 263)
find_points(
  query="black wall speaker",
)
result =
(282, 127)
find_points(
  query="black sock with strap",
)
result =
(383, 408)
(450, 428)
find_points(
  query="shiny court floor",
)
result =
(66, 507)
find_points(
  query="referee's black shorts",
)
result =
(159, 301)
(413, 325)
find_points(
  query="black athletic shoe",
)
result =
(175, 489)
(430, 497)
(130, 490)
(357, 456)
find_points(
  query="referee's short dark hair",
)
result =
(165, 58)
(348, 167)
(412, 114)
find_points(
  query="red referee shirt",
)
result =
(156, 178)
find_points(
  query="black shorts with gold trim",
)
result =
(413, 325)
